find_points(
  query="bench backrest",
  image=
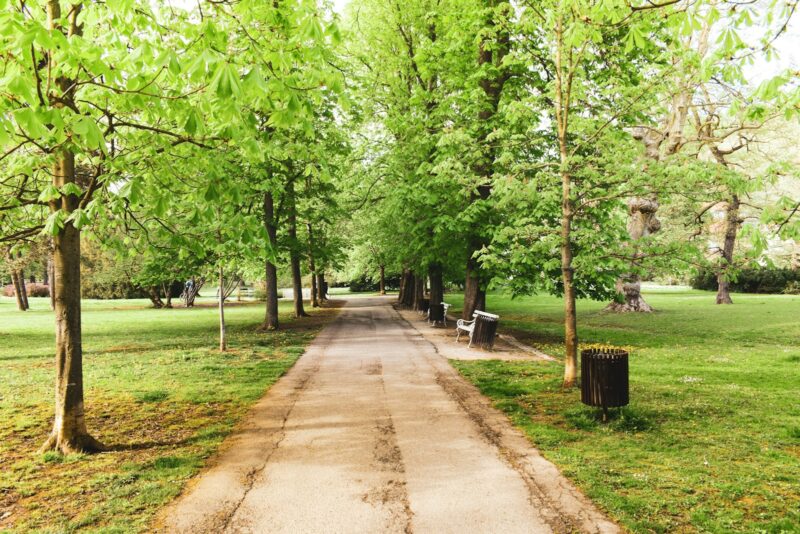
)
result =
(485, 314)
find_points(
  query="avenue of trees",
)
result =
(569, 147)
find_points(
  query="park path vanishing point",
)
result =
(373, 431)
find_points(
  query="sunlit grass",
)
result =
(711, 439)
(157, 392)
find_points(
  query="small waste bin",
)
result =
(604, 378)
(485, 329)
(436, 313)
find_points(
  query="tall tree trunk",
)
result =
(568, 272)
(321, 294)
(69, 429)
(69, 432)
(23, 289)
(401, 295)
(437, 286)
(492, 49)
(223, 338)
(732, 223)
(383, 280)
(419, 291)
(294, 255)
(271, 320)
(15, 280)
(312, 267)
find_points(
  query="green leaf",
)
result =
(50, 192)
(54, 223)
(71, 189)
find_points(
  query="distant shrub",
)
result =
(751, 280)
(366, 283)
(34, 290)
(792, 288)
(37, 290)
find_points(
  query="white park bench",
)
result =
(446, 307)
(469, 326)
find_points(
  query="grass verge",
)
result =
(158, 394)
(711, 440)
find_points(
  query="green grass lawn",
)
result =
(711, 439)
(157, 392)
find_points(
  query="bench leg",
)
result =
(458, 334)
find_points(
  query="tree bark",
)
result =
(419, 291)
(155, 298)
(23, 289)
(271, 320)
(223, 338)
(69, 432)
(167, 294)
(294, 255)
(15, 280)
(492, 49)
(383, 280)
(732, 223)
(312, 267)
(401, 295)
(568, 273)
(321, 294)
(642, 222)
(437, 286)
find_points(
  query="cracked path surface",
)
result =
(372, 431)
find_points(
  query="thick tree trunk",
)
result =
(155, 298)
(15, 280)
(294, 255)
(493, 48)
(69, 429)
(223, 338)
(732, 223)
(419, 291)
(312, 267)
(383, 280)
(474, 294)
(401, 295)
(271, 320)
(642, 222)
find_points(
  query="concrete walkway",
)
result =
(372, 431)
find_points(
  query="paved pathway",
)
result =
(372, 431)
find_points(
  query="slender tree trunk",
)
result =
(223, 338)
(437, 286)
(69, 432)
(383, 280)
(271, 321)
(401, 295)
(23, 289)
(15, 280)
(732, 223)
(294, 255)
(312, 267)
(570, 313)
(321, 295)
